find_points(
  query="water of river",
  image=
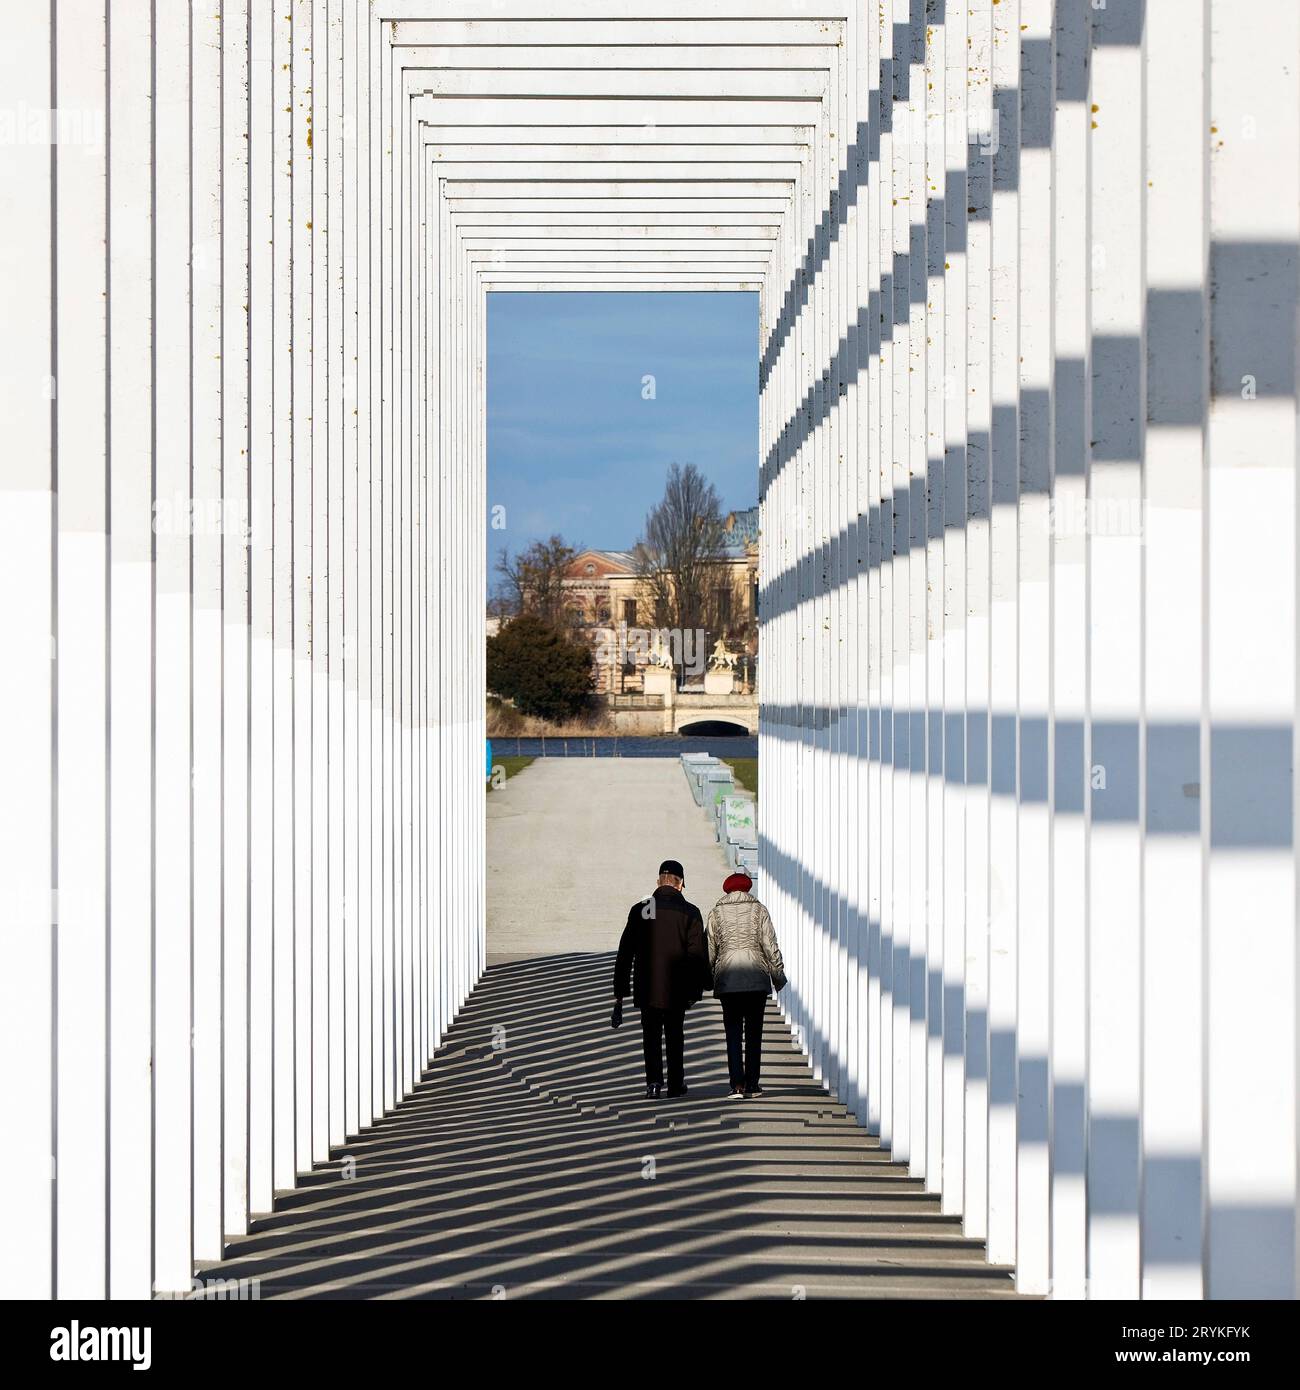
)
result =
(721, 746)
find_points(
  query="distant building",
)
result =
(606, 597)
(602, 587)
(742, 556)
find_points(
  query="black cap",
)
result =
(671, 866)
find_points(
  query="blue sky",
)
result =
(572, 445)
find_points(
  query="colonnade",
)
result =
(1027, 389)
(1029, 628)
(242, 560)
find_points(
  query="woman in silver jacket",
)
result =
(746, 964)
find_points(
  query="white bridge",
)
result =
(691, 708)
(1028, 800)
(682, 710)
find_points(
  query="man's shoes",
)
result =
(672, 1095)
(652, 1092)
(753, 1091)
(736, 1093)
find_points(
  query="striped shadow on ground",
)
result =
(528, 1165)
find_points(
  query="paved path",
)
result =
(528, 1165)
(573, 842)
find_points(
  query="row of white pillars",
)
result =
(1029, 698)
(234, 723)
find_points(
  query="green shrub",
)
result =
(539, 668)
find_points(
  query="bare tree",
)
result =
(533, 582)
(679, 554)
(502, 601)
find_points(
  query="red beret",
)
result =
(737, 883)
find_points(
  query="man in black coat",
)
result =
(663, 962)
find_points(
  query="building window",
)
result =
(629, 611)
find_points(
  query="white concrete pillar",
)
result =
(173, 789)
(1034, 694)
(207, 527)
(311, 68)
(913, 1073)
(869, 463)
(81, 731)
(1004, 724)
(979, 422)
(337, 230)
(244, 527)
(1173, 521)
(935, 325)
(1069, 557)
(1115, 624)
(130, 685)
(1250, 508)
(956, 155)
(883, 1033)
(899, 320)
(273, 1096)
(370, 580)
(275, 1142)
(352, 521)
(301, 224)
(27, 544)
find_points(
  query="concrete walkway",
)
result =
(529, 1165)
(573, 842)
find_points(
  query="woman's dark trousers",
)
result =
(742, 1012)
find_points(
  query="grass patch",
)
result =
(510, 766)
(746, 773)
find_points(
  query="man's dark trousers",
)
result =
(743, 1011)
(669, 1023)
